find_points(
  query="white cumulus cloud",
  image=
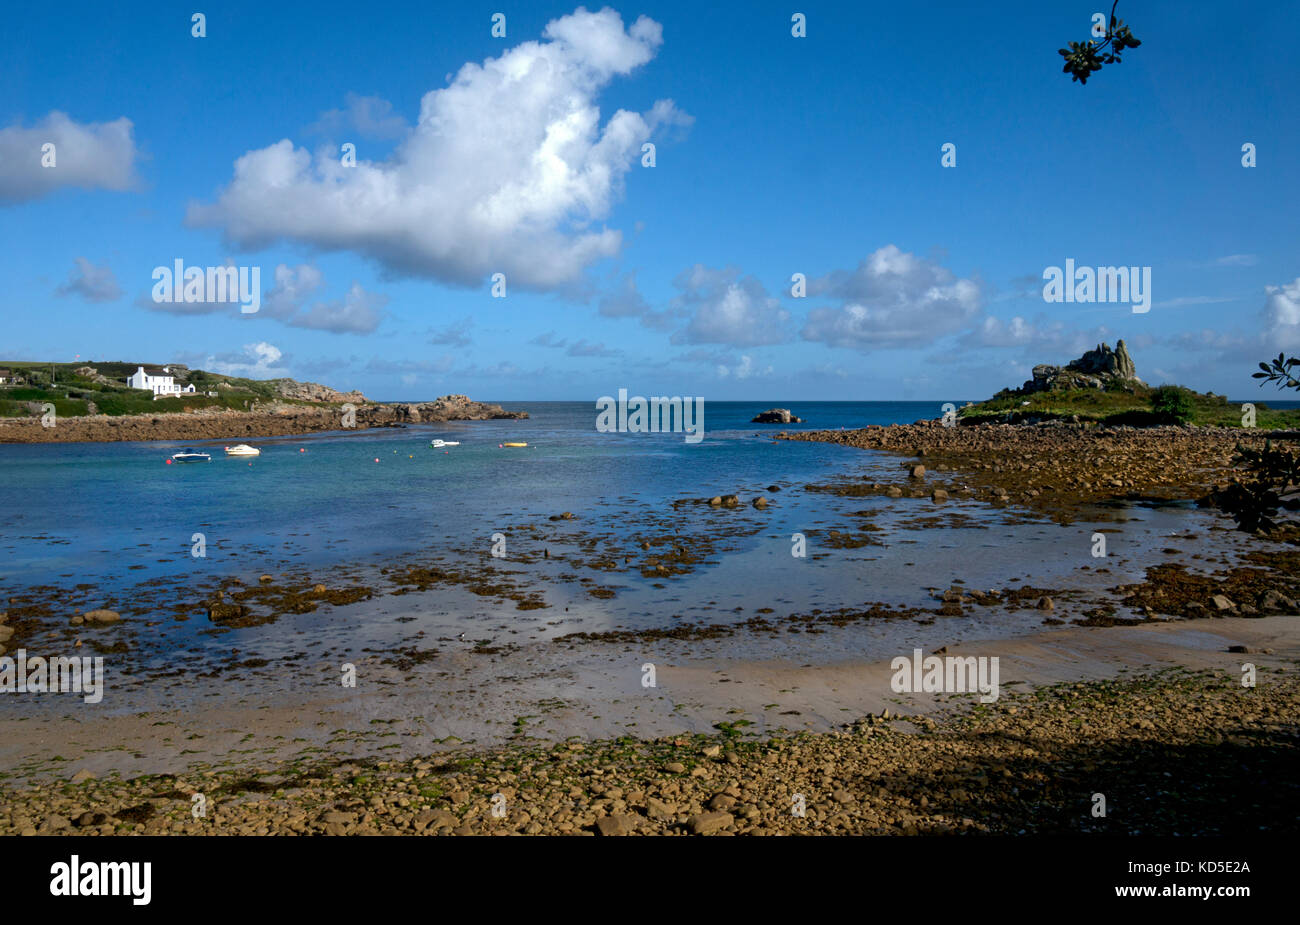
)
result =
(1282, 313)
(508, 169)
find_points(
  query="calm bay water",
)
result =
(118, 521)
(115, 513)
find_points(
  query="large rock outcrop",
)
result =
(776, 416)
(1096, 369)
(313, 391)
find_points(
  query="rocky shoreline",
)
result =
(1031, 763)
(1058, 467)
(272, 419)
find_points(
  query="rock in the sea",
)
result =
(218, 611)
(760, 501)
(916, 471)
(938, 495)
(101, 616)
(1222, 603)
(776, 416)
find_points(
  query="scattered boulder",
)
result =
(101, 616)
(219, 611)
(707, 823)
(435, 819)
(1275, 601)
(617, 824)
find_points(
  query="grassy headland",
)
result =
(1120, 404)
(81, 389)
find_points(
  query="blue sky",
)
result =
(775, 155)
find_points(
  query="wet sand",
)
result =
(542, 692)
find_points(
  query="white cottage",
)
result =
(158, 380)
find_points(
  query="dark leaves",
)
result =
(1083, 59)
(1269, 474)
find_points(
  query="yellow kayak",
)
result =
(514, 444)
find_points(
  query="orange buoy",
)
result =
(169, 462)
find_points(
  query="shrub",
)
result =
(1173, 404)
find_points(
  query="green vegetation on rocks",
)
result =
(1102, 387)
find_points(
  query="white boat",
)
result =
(439, 444)
(243, 449)
(188, 455)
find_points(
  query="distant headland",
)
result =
(111, 401)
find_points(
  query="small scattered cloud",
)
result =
(582, 348)
(260, 360)
(90, 155)
(1041, 337)
(548, 340)
(92, 283)
(745, 369)
(892, 299)
(725, 308)
(358, 312)
(1184, 301)
(455, 334)
(291, 289)
(1235, 260)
